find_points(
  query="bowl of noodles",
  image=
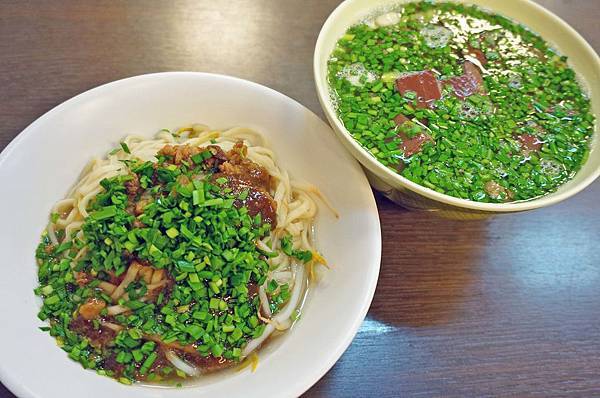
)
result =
(177, 234)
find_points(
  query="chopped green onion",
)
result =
(125, 148)
(104, 213)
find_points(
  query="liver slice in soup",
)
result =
(529, 143)
(469, 83)
(410, 145)
(413, 145)
(477, 53)
(424, 84)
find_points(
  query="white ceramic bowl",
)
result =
(581, 57)
(39, 166)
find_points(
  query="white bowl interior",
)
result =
(39, 166)
(567, 41)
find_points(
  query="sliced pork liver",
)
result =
(477, 53)
(413, 145)
(410, 145)
(529, 143)
(400, 119)
(469, 83)
(423, 83)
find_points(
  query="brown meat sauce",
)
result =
(176, 154)
(111, 364)
(241, 175)
(189, 354)
(207, 364)
(99, 337)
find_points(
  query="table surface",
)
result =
(502, 307)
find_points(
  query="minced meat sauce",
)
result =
(241, 175)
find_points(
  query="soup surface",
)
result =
(462, 101)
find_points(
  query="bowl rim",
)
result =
(398, 180)
(313, 375)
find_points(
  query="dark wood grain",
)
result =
(501, 307)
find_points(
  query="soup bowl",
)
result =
(401, 190)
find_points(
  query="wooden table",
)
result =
(503, 307)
